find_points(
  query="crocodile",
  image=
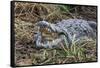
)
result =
(67, 30)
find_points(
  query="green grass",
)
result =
(76, 53)
(26, 15)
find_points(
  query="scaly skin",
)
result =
(66, 28)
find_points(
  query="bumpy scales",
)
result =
(66, 29)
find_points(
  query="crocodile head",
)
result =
(52, 33)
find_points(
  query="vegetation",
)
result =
(27, 14)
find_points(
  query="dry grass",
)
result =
(27, 14)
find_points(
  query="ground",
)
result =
(27, 14)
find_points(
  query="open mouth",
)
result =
(45, 38)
